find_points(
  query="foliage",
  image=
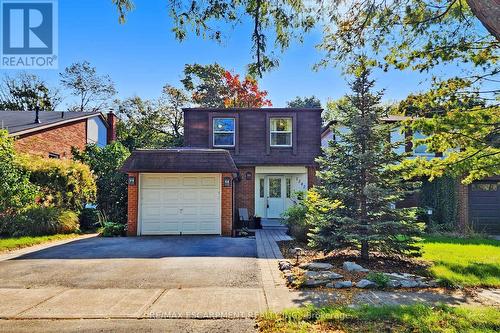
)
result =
(89, 218)
(94, 92)
(105, 163)
(206, 84)
(244, 93)
(8, 244)
(39, 221)
(440, 195)
(213, 86)
(306, 102)
(354, 171)
(25, 92)
(108, 228)
(16, 192)
(62, 183)
(152, 124)
(394, 318)
(468, 262)
(295, 217)
(380, 279)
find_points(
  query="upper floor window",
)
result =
(281, 132)
(223, 130)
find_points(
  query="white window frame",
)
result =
(271, 132)
(214, 131)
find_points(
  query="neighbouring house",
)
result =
(52, 133)
(478, 203)
(233, 158)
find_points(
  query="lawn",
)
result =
(413, 318)
(467, 262)
(7, 244)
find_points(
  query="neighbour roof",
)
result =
(22, 122)
(182, 160)
(252, 109)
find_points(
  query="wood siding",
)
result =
(252, 135)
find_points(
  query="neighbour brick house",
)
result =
(232, 158)
(53, 134)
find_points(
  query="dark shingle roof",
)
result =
(182, 160)
(19, 122)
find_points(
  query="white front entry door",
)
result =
(275, 196)
(173, 204)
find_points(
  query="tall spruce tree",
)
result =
(354, 207)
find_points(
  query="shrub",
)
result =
(105, 163)
(379, 278)
(63, 183)
(89, 219)
(40, 221)
(111, 229)
(295, 218)
(16, 192)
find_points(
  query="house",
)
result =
(233, 158)
(478, 203)
(52, 134)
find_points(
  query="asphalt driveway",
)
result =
(137, 262)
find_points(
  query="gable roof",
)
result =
(181, 160)
(23, 122)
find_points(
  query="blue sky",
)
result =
(142, 55)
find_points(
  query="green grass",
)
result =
(413, 318)
(7, 244)
(468, 262)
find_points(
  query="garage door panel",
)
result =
(484, 202)
(182, 203)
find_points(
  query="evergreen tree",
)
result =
(354, 207)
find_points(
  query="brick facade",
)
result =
(312, 179)
(133, 203)
(226, 206)
(57, 140)
(245, 191)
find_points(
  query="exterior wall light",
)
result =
(248, 176)
(227, 181)
(131, 180)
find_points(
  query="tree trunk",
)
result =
(488, 12)
(365, 251)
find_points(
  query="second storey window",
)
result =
(224, 132)
(281, 132)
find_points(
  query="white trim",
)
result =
(271, 132)
(280, 169)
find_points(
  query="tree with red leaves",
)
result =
(244, 93)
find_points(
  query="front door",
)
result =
(275, 197)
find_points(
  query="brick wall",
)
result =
(58, 140)
(463, 207)
(226, 207)
(245, 191)
(133, 210)
(311, 176)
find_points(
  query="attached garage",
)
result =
(484, 206)
(180, 192)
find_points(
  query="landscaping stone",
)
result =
(284, 265)
(322, 275)
(315, 283)
(409, 284)
(353, 267)
(394, 284)
(334, 276)
(340, 284)
(365, 284)
(316, 266)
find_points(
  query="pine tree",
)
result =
(355, 205)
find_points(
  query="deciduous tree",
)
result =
(25, 92)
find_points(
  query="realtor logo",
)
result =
(29, 34)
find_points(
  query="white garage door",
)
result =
(173, 204)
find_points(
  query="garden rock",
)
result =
(284, 265)
(353, 267)
(334, 276)
(316, 266)
(322, 275)
(409, 284)
(366, 284)
(315, 283)
(394, 284)
(340, 284)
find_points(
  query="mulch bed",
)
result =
(377, 262)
